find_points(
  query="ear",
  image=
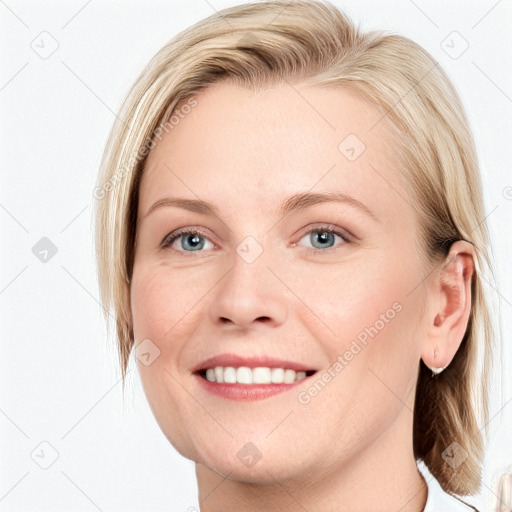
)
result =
(449, 306)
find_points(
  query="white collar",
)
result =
(437, 499)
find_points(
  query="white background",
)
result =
(60, 382)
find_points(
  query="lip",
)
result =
(251, 362)
(246, 392)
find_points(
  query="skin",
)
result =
(350, 448)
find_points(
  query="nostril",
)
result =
(225, 320)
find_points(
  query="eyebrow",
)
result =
(295, 202)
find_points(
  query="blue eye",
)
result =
(325, 237)
(191, 240)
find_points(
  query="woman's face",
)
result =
(264, 279)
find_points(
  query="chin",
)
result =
(255, 462)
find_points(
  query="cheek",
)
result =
(160, 303)
(162, 313)
(364, 311)
(353, 295)
(159, 313)
(373, 353)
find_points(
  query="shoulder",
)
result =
(438, 499)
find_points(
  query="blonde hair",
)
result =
(259, 44)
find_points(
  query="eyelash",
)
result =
(172, 237)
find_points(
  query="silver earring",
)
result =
(433, 369)
(436, 371)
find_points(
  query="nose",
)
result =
(249, 294)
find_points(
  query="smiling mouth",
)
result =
(250, 376)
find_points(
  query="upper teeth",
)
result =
(259, 375)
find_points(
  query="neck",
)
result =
(382, 477)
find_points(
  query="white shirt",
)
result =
(437, 499)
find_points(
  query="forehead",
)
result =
(243, 149)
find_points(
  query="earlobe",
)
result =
(450, 297)
(434, 369)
